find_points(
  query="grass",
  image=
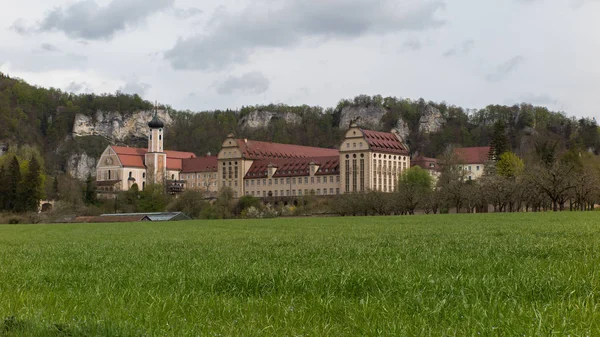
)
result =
(450, 275)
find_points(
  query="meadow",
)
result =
(443, 275)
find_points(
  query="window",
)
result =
(270, 182)
(130, 174)
(354, 175)
(477, 167)
(293, 192)
(276, 181)
(362, 175)
(294, 181)
(287, 180)
(264, 194)
(144, 175)
(306, 180)
(347, 175)
(275, 192)
(318, 180)
(265, 182)
(337, 179)
(236, 171)
(299, 181)
(247, 183)
(318, 191)
(252, 182)
(159, 137)
(108, 174)
(330, 179)
(300, 192)
(470, 178)
(324, 191)
(354, 145)
(469, 168)
(331, 191)
(312, 180)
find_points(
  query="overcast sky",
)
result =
(203, 55)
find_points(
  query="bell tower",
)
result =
(156, 158)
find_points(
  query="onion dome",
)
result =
(155, 123)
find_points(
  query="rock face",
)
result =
(402, 129)
(431, 120)
(261, 119)
(80, 165)
(368, 117)
(115, 126)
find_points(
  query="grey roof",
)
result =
(156, 216)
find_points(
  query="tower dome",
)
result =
(155, 123)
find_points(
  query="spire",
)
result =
(155, 123)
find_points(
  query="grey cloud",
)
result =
(89, 21)
(49, 47)
(249, 83)
(411, 45)
(135, 87)
(187, 13)
(505, 68)
(234, 37)
(20, 27)
(460, 49)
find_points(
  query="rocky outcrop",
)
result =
(80, 165)
(115, 126)
(261, 118)
(402, 129)
(366, 116)
(431, 120)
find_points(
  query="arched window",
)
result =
(172, 177)
(159, 137)
(144, 175)
(108, 174)
(130, 174)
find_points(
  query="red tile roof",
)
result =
(472, 155)
(293, 167)
(386, 142)
(252, 149)
(425, 163)
(135, 157)
(200, 164)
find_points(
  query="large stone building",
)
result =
(365, 161)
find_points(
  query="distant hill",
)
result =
(71, 130)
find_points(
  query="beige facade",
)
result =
(371, 161)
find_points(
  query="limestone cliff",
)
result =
(431, 120)
(366, 116)
(115, 126)
(80, 165)
(261, 118)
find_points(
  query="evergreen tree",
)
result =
(13, 180)
(30, 190)
(499, 143)
(89, 196)
(2, 188)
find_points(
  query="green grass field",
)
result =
(444, 275)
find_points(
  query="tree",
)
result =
(89, 194)
(414, 188)
(190, 202)
(499, 143)
(30, 190)
(3, 185)
(553, 173)
(13, 180)
(451, 181)
(153, 198)
(510, 165)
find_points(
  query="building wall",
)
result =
(473, 171)
(380, 171)
(201, 181)
(232, 167)
(293, 186)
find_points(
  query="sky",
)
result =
(210, 54)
